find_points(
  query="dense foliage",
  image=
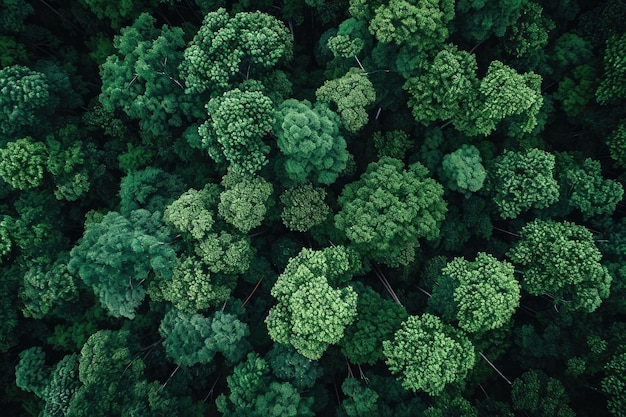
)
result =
(385, 208)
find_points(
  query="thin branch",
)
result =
(505, 231)
(254, 290)
(210, 393)
(168, 379)
(494, 368)
(387, 285)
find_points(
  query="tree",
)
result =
(193, 212)
(541, 395)
(361, 401)
(446, 89)
(393, 144)
(352, 94)
(308, 137)
(252, 393)
(530, 33)
(227, 48)
(505, 93)
(142, 79)
(239, 120)
(389, 208)
(462, 170)
(561, 259)
(422, 25)
(478, 19)
(245, 200)
(429, 354)
(150, 189)
(617, 144)
(13, 13)
(288, 365)
(24, 97)
(22, 163)
(481, 294)
(377, 320)
(523, 180)
(304, 207)
(311, 314)
(614, 384)
(612, 88)
(115, 257)
(31, 372)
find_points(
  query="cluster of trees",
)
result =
(312, 207)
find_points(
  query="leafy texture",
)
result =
(463, 170)
(304, 207)
(389, 208)
(245, 200)
(22, 163)
(561, 259)
(428, 354)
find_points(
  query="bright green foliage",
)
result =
(114, 257)
(245, 200)
(617, 145)
(13, 13)
(361, 401)
(310, 314)
(577, 90)
(429, 354)
(448, 405)
(484, 293)
(142, 77)
(152, 189)
(612, 88)
(193, 287)
(5, 239)
(191, 213)
(587, 190)
(540, 395)
(351, 39)
(393, 144)
(225, 253)
(561, 260)
(523, 180)
(31, 372)
(289, 365)
(377, 320)
(48, 288)
(364, 9)
(422, 25)
(304, 207)
(530, 33)
(446, 90)
(479, 19)
(239, 120)
(352, 94)
(506, 93)
(252, 394)
(309, 138)
(24, 97)
(614, 385)
(22, 163)
(389, 208)
(463, 171)
(226, 48)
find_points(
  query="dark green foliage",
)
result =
(478, 19)
(535, 392)
(13, 13)
(142, 78)
(448, 405)
(614, 384)
(389, 208)
(463, 171)
(361, 401)
(24, 97)
(22, 163)
(309, 138)
(530, 33)
(428, 354)
(239, 121)
(151, 189)
(226, 48)
(422, 25)
(31, 372)
(311, 314)
(377, 320)
(577, 90)
(245, 200)
(481, 294)
(352, 38)
(352, 95)
(523, 180)
(48, 288)
(304, 207)
(617, 145)
(393, 144)
(252, 394)
(117, 255)
(289, 365)
(561, 260)
(612, 88)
